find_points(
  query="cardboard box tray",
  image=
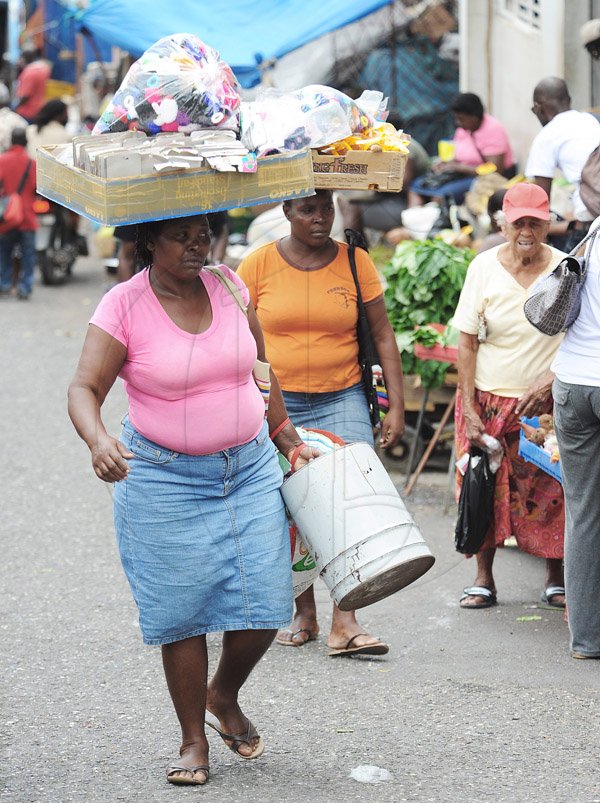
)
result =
(535, 454)
(382, 171)
(114, 202)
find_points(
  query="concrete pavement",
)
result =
(468, 705)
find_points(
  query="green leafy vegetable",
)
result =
(424, 279)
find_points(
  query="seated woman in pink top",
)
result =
(478, 138)
(199, 518)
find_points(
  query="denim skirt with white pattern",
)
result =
(204, 539)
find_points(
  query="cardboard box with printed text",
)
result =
(178, 193)
(360, 170)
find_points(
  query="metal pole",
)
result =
(414, 444)
(430, 447)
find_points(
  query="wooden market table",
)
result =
(445, 354)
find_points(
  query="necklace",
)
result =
(313, 256)
(157, 286)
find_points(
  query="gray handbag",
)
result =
(555, 301)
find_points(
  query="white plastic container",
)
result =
(419, 219)
(352, 519)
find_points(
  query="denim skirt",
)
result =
(204, 539)
(343, 412)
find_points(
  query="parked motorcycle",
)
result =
(57, 241)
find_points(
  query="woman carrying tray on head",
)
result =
(199, 517)
(306, 300)
(504, 373)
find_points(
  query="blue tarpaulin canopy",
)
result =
(245, 32)
(59, 34)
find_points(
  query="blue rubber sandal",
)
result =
(551, 592)
(489, 597)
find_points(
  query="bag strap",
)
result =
(365, 341)
(261, 370)
(589, 236)
(24, 178)
(588, 241)
(229, 285)
(481, 156)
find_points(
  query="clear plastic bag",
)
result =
(495, 451)
(178, 84)
(310, 117)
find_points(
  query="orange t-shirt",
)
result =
(309, 317)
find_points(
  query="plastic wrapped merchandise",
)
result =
(307, 118)
(178, 84)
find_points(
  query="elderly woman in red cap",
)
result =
(504, 373)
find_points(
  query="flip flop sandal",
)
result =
(237, 739)
(551, 592)
(375, 648)
(489, 597)
(183, 780)
(292, 643)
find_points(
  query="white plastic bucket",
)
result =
(419, 219)
(352, 519)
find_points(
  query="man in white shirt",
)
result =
(576, 393)
(564, 143)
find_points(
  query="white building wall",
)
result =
(503, 58)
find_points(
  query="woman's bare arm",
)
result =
(384, 340)
(101, 360)
(468, 347)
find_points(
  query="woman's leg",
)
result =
(186, 670)
(344, 626)
(555, 576)
(485, 578)
(304, 626)
(242, 650)
(346, 632)
(345, 413)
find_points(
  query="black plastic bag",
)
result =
(475, 504)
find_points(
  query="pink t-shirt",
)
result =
(490, 138)
(190, 393)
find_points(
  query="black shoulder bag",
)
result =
(367, 353)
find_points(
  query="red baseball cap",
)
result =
(525, 200)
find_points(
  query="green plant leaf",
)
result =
(424, 280)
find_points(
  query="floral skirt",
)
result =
(528, 502)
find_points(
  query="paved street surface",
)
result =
(469, 706)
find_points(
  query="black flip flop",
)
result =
(182, 780)
(375, 648)
(237, 739)
(312, 636)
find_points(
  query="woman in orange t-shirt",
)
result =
(305, 298)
